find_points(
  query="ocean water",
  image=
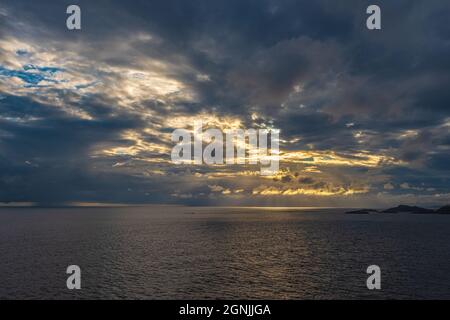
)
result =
(164, 252)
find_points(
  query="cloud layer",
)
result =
(86, 116)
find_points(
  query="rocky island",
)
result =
(404, 209)
(408, 209)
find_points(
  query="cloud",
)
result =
(87, 116)
(388, 186)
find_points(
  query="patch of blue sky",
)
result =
(49, 70)
(33, 78)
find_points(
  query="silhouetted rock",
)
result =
(444, 210)
(408, 209)
(361, 211)
(358, 212)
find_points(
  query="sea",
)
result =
(177, 252)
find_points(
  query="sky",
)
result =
(86, 115)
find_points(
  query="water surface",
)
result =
(227, 253)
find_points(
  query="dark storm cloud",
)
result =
(310, 67)
(47, 159)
